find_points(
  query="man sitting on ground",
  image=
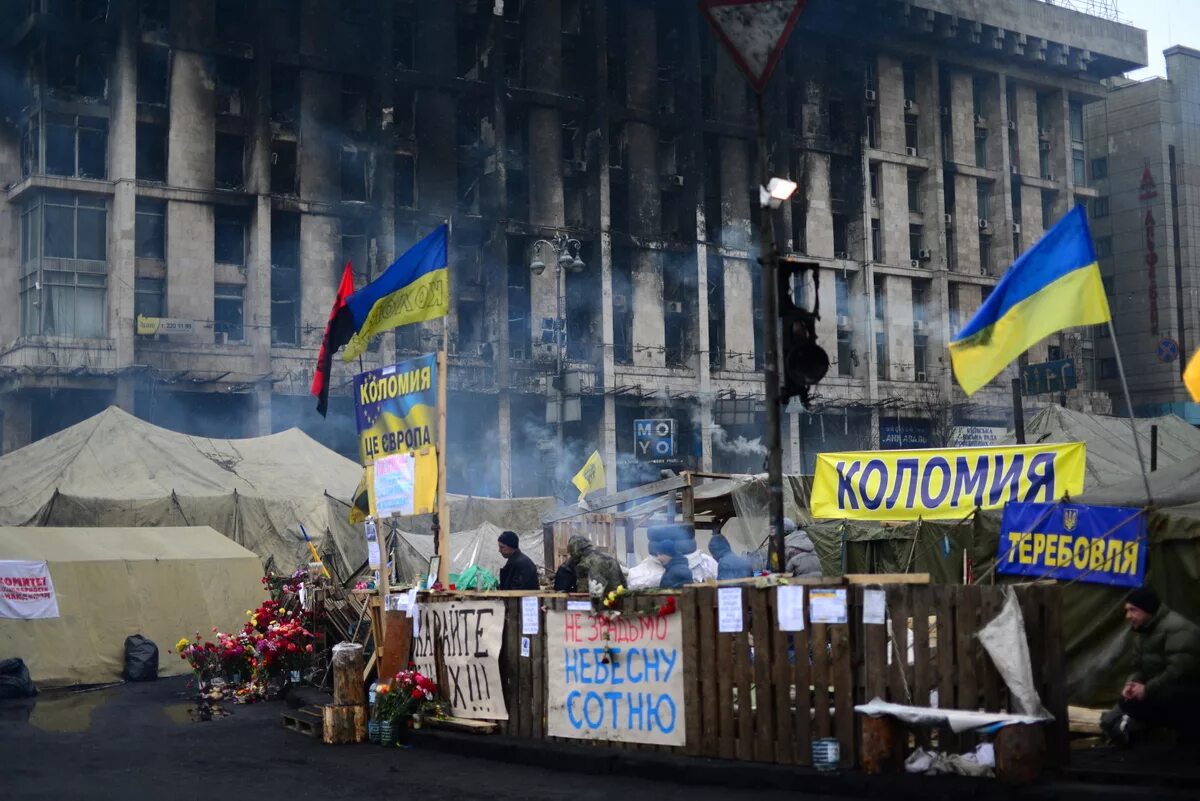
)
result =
(1164, 688)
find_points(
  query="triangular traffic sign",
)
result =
(754, 32)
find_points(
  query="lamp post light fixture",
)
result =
(564, 252)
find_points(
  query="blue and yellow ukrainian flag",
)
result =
(414, 289)
(1054, 285)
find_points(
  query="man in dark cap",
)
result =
(1164, 687)
(519, 573)
(677, 571)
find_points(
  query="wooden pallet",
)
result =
(306, 721)
(463, 725)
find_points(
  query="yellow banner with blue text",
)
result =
(943, 484)
(396, 407)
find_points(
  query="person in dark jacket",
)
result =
(519, 573)
(678, 573)
(1164, 687)
(729, 564)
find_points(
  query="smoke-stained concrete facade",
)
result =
(293, 141)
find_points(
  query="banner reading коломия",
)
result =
(944, 484)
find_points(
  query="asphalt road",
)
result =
(138, 741)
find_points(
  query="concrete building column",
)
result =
(504, 437)
(122, 171)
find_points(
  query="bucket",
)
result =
(826, 753)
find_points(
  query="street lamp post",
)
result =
(565, 252)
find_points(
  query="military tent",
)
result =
(114, 469)
(163, 583)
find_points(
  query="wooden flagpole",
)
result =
(443, 508)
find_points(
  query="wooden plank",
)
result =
(1054, 681)
(709, 671)
(610, 501)
(727, 732)
(689, 620)
(512, 664)
(923, 670)
(965, 627)
(843, 693)
(944, 610)
(899, 686)
(990, 683)
(397, 644)
(886, 578)
(537, 660)
(781, 678)
(744, 673)
(802, 680)
(822, 723)
(764, 689)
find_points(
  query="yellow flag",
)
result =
(591, 477)
(1191, 377)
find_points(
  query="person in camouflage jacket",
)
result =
(596, 572)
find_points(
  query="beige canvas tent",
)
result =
(163, 583)
(114, 469)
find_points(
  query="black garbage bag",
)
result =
(15, 681)
(141, 659)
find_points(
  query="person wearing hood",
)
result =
(1164, 687)
(801, 555)
(596, 572)
(519, 571)
(677, 572)
(729, 564)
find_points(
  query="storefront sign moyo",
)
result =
(942, 484)
(615, 679)
(1074, 542)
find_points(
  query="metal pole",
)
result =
(560, 336)
(1153, 448)
(769, 259)
(1129, 408)
(1018, 412)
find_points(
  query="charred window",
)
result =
(518, 299)
(230, 170)
(76, 73)
(231, 75)
(354, 103)
(285, 23)
(285, 278)
(622, 288)
(152, 76)
(405, 181)
(716, 312)
(151, 152)
(229, 236)
(154, 16)
(235, 21)
(150, 229)
(679, 294)
(404, 42)
(354, 250)
(354, 173)
(283, 167)
(76, 146)
(470, 300)
(285, 94)
(228, 312)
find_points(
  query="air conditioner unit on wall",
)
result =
(921, 376)
(842, 256)
(980, 121)
(620, 302)
(914, 263)
(870, 95)
(983, 224)
(910, 105)
(845, 322)
(949, 220)
(918, 326)
(1012, 125)
(674, 180)
(1016, 228)
(911, 152)
(926, 255)
(674, 307)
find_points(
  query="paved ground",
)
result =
(138, 742)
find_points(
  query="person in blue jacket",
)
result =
(729, 564)
(678, 573)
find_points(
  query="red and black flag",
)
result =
(338, 331)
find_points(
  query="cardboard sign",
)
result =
(26, 590)
(468, 635)
(615, 680)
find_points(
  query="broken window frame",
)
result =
(353, 163)
(88, 140)
(151, 138)
(63, 291)
(75, 74)
(150, 229)
(354, 243)
(229, 312)
(234, 21)
(404, 180)
(283, 180)
(149, 297)
(153, 63)
(230, 81)
(154, 16)
(285, 278)
(229, 236)
(224, 162)
(285, 95)
(355, 93)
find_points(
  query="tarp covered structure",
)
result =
(114, 469)
(163, 583)
(1111, 455)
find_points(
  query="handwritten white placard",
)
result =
(874, 607)
(729, 610)
(789, 603)
(529, 614)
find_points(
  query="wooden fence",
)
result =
(764, 695)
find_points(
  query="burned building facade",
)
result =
(216, 162)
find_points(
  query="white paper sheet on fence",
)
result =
(789, 605)
(956, 719)
(1004, 639)
(529, 614)
(874, 607)
(619, 679)
(729, 610)
(470, 633)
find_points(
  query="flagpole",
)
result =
(443, 532)
(1137, 443)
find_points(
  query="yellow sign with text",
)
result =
(943, 484)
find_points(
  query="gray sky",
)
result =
(1169, 22)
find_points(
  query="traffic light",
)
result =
(805, 362)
